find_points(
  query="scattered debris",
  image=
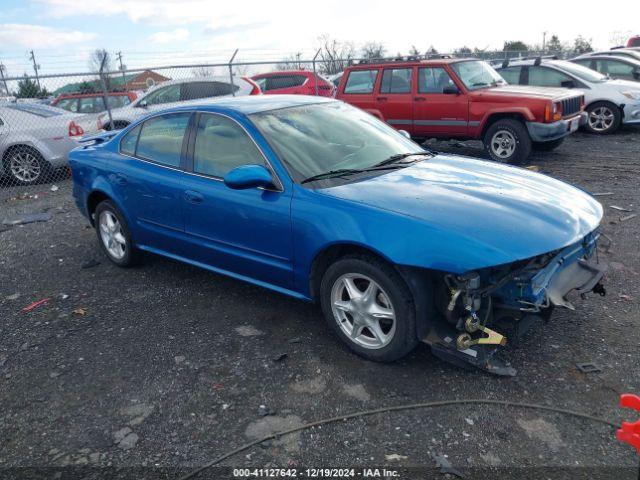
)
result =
(628, 217)
(395, 457)
(621, 209)
(14, 296)
(248, 331)
(263, 411)
(280, 357)
(225, 406)
(139, 412)
(588, 367)
(602, 194)
(80, 311)
(443, 463)
(533, 168)
(295, 340)
(624, 296)
(469, 421)
(29, 218)
(64, 296)
(92, 262)
(179, 359)
(54, 188)
(35, 305)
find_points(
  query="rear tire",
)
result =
(364, 293)
(603, 118)
(26, 165)
(114, 235)
(547, 146)
(507, 140)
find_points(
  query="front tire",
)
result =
(508, 141)
(603, 118)
(369, 306)
(548, 146)
(114, 235)
(26, 165)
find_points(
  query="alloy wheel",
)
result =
(363, 311)
(601, 118)
(111, 235)
(503, 144)
(25, 167)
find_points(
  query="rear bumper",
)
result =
(546, 132)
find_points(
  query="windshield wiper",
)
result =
(331, 174)
(398, 157)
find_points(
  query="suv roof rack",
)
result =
(407, 58)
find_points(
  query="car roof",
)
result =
(249, 104)
(283, 72)
(409, 63)
(618, 58)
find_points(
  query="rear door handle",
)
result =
(419, 99)
(193, 197)
(382, 99)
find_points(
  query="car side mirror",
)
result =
(248, 176)
(450, 90)
(404, 133)
(568, 84)
(142, 104)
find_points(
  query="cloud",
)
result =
(172, 36)
(39, 36)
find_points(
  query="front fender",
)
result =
(485, 118)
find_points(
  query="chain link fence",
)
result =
(37, 133)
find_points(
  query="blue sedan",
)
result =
(316, 199)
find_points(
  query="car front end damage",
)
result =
(480, 311)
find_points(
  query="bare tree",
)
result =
(372, 50)
(203, 72)
(101, 61)
(335, 55)
(292, 62)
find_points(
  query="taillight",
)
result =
(99, 123)
(75, 130)
(256, 88)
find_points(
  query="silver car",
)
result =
(36, 138)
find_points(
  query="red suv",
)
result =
(296, 82)
(464, 98)
(92, 102)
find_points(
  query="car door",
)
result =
(618, 69)
(542, 76)
(394, 99)
(149, 180)
(436, 112)
(245, 232)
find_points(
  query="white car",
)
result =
(609, 103)
(36, 138)
(616, 52)
(178, 92)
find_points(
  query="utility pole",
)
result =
(4, 81)
(122, 67)
(35, 68)
(544, 41)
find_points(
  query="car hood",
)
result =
(528, 91)
(623, 85)
(511, 211)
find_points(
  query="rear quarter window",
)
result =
(361, 81)
(129, 141)
(277, 82)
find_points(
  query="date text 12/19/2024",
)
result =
(314, 473)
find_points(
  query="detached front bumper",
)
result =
(546, 132)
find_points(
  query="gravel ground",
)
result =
(169, 366)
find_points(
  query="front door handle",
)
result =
(193, 197)
(382, 99)
(419, 99)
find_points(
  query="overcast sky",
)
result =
(62, 32)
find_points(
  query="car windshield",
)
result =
(583, 73)
(326, 137)
(477, 74)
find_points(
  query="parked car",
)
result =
(319, 200)
(36, 138)
(634, 41)
(296, 82)
(92, 102)
(616, 52)
(609, 103)
(178, 92)
(623, 68)
(463, 98)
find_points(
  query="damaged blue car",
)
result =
(319, 200)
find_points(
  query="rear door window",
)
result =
(196, 90)
(361, 81)
(511, 74)
(396, 80)
(433, 80)
(615, 68)
(161, 138)
(167, 94)
(70, 104)
(547, 77)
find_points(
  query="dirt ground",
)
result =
(166, 367)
